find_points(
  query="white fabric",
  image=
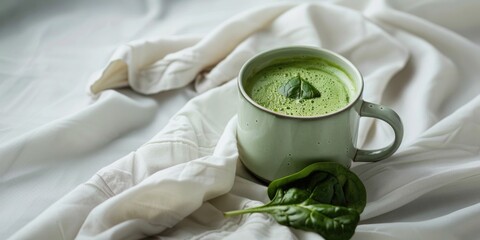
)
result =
(176, 185)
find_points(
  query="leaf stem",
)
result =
(259, 209)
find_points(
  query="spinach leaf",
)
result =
(327, 182)
(324, 197)
(297, 88)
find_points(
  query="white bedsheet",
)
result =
(419, 57)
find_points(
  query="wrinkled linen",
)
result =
(177, 185)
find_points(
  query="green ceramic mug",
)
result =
(272, 145)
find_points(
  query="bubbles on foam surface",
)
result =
(328, 80)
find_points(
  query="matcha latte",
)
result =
(303, 86)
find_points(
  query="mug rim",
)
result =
(336, 55)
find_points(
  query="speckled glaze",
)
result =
(272, 145)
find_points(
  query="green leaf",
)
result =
(332, 222)
(297, 88)
(328, 182)
(329, 221)
(325, 197)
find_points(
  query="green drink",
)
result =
(300, 105)
(332, 84)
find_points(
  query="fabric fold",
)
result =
(166, 197)
(128, 62)
(179, 60)
(145, 192)
(178, 184)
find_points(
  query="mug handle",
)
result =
(386, 114)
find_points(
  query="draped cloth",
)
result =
(178, 184)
